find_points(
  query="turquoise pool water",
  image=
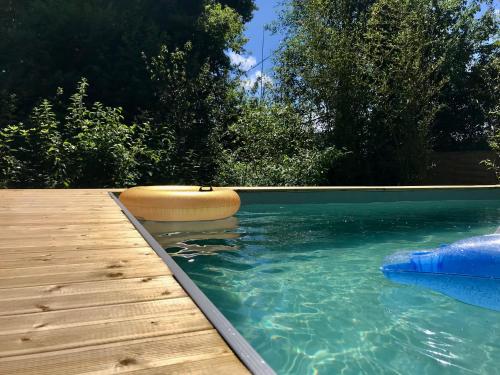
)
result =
(302, 285)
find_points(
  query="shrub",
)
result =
(269, 144)
(89, 147)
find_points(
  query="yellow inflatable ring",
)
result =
(180, 203)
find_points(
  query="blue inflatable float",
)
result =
(468, 270)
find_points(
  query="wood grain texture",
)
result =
(50, 320)
(51, 300)
(82, 292)
(18, 260)
(181, 353)
(68, 245)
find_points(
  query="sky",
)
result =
(266, 13)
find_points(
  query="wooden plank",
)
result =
(70, 202)
(43, 198)
(56, 236)
(226, 364)
(72, 296)
(101, 272)
(70, 228)
(69, 289)
(61, 210)
(54, 265)
(64, 207)
(74, 337)
(56, 320)
(53, 193)
(26, 213)
(96, 265)
(55, 214)
(38, 255)
(80, 244)
(70, 206)
(32, 221)
(55, 303)
(52, 217)
(175, 352)
(22, 259)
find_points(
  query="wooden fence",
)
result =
(460, 168)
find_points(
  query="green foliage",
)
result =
(494, 139)
(46, 44)
(403, 55)
(387, 79)
(191, 105)
(32, 153)
(224, 26)
(164, 61)
(494, 143)
(270, 145)
(101, 148)
(469, 95)
(89, 147)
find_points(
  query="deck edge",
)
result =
(241, 348)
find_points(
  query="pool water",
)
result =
(302, 284)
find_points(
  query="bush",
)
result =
(494, 121)
(494, 142)
(193, 103)
(32, 154)
(89, 147)
(270, 145)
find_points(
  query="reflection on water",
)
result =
(305, 289)
(189, 239)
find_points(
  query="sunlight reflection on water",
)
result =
(302, 284)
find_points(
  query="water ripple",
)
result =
(301, 283)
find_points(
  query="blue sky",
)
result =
(267, 13)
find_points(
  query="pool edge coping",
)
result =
(238, 344)
(360, 188)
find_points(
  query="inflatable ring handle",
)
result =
(209, 188)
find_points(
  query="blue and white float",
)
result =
(468, 270)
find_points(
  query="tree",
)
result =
(379, 76)
(404, 50)
(45, 44)
(164, 61)
(318, 71)
(192, 101)
(494, 138)
(469, 95)
(270, 145)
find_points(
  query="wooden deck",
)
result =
(82, 292)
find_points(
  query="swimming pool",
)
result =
(301, 282)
